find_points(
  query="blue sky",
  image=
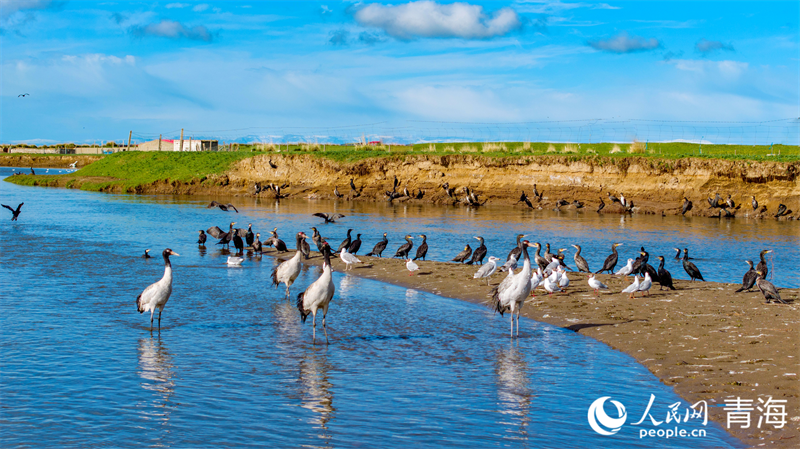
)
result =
(95, 70)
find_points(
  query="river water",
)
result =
(234, 366)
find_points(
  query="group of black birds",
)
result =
(242, 239)
(728, 207)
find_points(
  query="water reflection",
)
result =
(514, 395)
(316, 392)
(157, 372)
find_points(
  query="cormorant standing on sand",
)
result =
(377, 250)
(762, 265)
(749, 278)
(611, 260)
(690, 268)
(405, 248)
(422, 249)
(664, 276)
(479, 254)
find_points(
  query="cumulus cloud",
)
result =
(623, 43)
(177, 5)
(173, 30)
(201, 7)
(325, 11)
(706, 46)
(427, 19)
(98, 58)
(339, 37)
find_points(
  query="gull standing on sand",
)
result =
(510, 265)
(348, 258)
(596, 285)
(411, 266)
(536, 279)
(563, 280)
(645, 285)
(626, 270)
(156, 295)
(487, 269)
(551, 283)
(633, 287)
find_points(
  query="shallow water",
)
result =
(234, 366)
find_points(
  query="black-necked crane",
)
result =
(288, 271)
(155, 296)
(318, 295)
(515, 288)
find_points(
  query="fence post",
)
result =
(130, 134)
(159, 142)
(180, 148)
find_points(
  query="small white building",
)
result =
(174, 145)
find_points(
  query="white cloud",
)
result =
(706, 46)
(555, 7)
(427, 19)
(728, 69)
(177, 5)
(173, 30)
(98, 58)
(12, 6)
(201, 7)
(623, 43)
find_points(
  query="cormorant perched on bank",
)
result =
(714, 202)
(580, 262)
(754, 203)
(611, 261)
(749, 278)
(355, 245)
(316, 238)
(548, 256)
(422, 249)
(336, 192)
(664, 277)
(463, 255)
(277, 243)
(479, 254)
(781, 211)
(304, 248)
(249, 237)
(601, 206)
(405, 248)
(678, 254)
(524, 199)
(257, 247)
(762, 265)
(329, 218)
(690, 268)
(613, 198)
(516, 250)
(687, 206)
(346, 242)
(146, 254)
(201, 239)
(377, 250)
(767, 289)
(223, 207)
(14, 212)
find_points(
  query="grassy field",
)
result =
(674, 150)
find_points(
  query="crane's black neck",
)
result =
(326, 252)
(299, 241)
(524, 248)
(166, 259)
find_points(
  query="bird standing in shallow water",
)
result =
(288, 271)
(515, 288)
(156, 295)
(318, 295)
(201, 239)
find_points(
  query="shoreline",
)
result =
(701, 340)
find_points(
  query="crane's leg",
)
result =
(325, 327)
(159, 320)
(151, 319)
(512, 324)
(287, 292)
(518, 323)
(314, 327)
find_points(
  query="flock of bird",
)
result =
(547, 270)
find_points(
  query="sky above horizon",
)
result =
(95, 70)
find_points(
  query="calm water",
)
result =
(234, 366)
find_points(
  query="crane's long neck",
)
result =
(526, 266)
(167, 268)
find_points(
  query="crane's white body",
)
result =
(511, 293)
(348, 259)
(156, 295)
(318, 296)
(288, 271)
(626, 270)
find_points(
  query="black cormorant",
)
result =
(14, 212)
(762, 265)
(146, 254)
(304, 247)
(346, 242)
(278, 243)
(422, 249)
(249, 237)
(749, 278)
(223, 207)
(355, 245)
(754, 203)
(548, 256)
(405, 248)
(479, 253)
(580, 262)
(463, 255)
(690, 268)
(687, 206)
(611, 261)
(664, 277)
(516, 250)
(257, 247)
(329, 218)
(317, 239)
(601, 206)
(377, 250)
(540, 261)
(767, 289)
(201, 239)
(238, 243)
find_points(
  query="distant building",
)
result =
(174, 144)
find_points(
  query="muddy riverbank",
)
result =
(702, 339)
(655, 186)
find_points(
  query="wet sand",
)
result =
(703, 339)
